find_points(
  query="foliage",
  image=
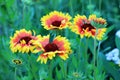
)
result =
(18, 14)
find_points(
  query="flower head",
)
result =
(94, 18)
(78, 25)
(60, 46)
(55, 20)
(112, 54)
(17, 61)
(76, 74)
(83, 26)
(22, 41)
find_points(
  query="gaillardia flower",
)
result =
(94, 18)
(60, 46)
(83, 26)
(22, 41)
(55, 20)
(78, 26)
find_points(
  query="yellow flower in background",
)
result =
(60, 46)
(22, 41)
(55, 20)
(84, 28)
(101, 31)
(94, 18)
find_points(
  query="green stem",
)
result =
(90, 10)
(83, 7)
(94, 59)
(30, 67)
(15, 73)
(63, 70)
(50, 69)
(98, 53)
(100, 3)
(95, 55)
(85, 55)
(23, 22)
(86, 48)
(79, 55)
(71, 7)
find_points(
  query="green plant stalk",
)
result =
(86, 47)
(82, 56)
(85, 55)
(15, 73)
(100, 4)
(50, 69)
(63, 69)
(23, 21)
(71, 7)
(79, 56)
(90, 4)
(95, 55)
(94, 59)
(98, 49)
(83, 8)
(29, 64)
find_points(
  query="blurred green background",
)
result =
(18, 14)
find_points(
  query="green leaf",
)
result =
(74, 61)
(9, 3)
(110, 28)
(58, 74)
(109, 68)
(91, 44)
(98, 25)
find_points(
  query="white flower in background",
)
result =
(109, 56)
(115, 58)
(118, 33)
(117, 61)
(113, 55)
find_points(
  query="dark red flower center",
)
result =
(56, 23)
(26, 39)
(51, 47)
(89, 26)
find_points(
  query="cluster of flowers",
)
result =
(23, 40)
(113, 56)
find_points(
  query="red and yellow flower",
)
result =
(78, 26)
(83, 26)
(55, 20)
(60, 46)
(94, 18)
(22, 41)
